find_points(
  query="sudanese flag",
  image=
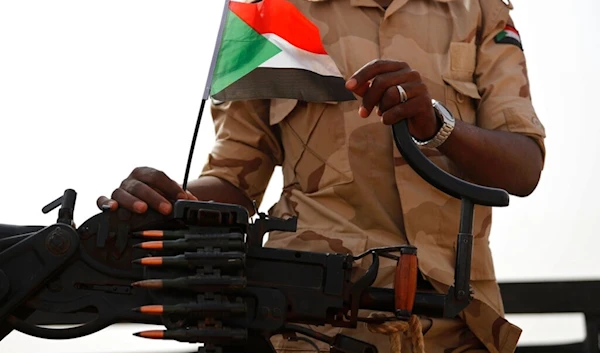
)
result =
(509, 35)
(269, 49)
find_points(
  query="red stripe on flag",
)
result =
(511, 29)
(283, 19)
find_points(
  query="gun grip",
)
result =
(405, 282)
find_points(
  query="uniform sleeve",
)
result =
(246, 148)
(502, 79)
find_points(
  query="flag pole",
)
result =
(206, 94)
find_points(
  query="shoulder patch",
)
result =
(509, 35)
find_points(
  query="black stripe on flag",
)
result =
(267, 83)
(509, 40)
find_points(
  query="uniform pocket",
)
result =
(315, 144)
(463, 59)
(461, 93)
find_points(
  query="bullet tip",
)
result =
(148, 283)
(152, 309)
(155, 334)
(152, 233)
(151, 261)
(152, 245)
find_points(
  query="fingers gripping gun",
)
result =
(203, 273)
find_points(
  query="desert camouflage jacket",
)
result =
(343, 176)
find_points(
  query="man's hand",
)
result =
(377, 83)
(146, 187)
(150, 188)
(502, 159)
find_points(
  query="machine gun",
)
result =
(203, 273)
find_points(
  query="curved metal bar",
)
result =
(441, 179)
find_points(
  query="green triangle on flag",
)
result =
(242, 50)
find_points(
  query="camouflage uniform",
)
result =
(343, 176)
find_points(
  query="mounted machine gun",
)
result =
(204, 275)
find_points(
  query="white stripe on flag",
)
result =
(292, 57)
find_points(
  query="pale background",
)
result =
(91, 89)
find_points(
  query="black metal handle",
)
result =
(439, 178)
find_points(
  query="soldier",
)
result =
(343, 177)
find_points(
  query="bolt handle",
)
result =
(67, 207)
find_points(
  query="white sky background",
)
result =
(91, 89)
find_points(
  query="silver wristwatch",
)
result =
(448, 122)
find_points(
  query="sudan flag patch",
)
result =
(509, 35)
